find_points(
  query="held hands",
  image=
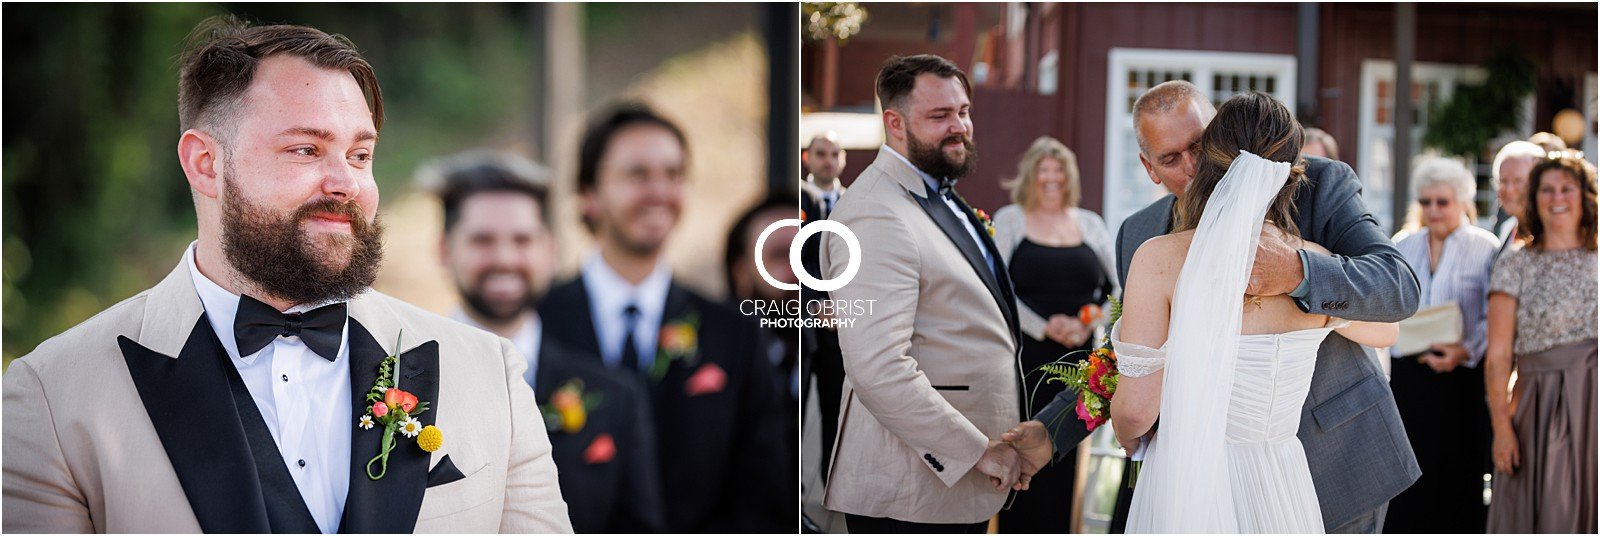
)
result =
(1453, 356)
(1277, 270)
(1033, 445)
(1000, 462)
(1066, 330)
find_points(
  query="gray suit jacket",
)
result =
(1354, 440)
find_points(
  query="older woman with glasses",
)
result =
(1060, 260)
(1542, 315)
(1440, 391)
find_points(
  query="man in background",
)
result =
(1510, 175)
(501, 254)
(718, 410)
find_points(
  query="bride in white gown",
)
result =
(1226, 373)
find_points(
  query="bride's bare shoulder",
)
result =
(1162, 254)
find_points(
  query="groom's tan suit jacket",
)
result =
(126, 423)
(931, 374)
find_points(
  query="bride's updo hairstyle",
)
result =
(1255, 122)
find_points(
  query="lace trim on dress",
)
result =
(1136, 361)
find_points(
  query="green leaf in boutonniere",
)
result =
(395, 411)
(679, 341)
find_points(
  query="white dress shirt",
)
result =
(610, 294)
(830, 197)
(954, 208)
(526, 339)
(304, 399)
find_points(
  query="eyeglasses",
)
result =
(1426, 202)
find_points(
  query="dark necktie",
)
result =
(630, 351)
(256, 324)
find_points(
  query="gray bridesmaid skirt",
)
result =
(1554, 489)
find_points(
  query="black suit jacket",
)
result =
(616, 494)
(720, 453)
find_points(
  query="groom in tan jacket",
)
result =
(931, 372)
(232, 396)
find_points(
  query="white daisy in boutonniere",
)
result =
(679, 341)
(393, 410)
(411, 427)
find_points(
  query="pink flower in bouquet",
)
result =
(1095, 371)
(379, 409)
(1090, 421)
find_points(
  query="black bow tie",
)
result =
(947, 187)
(257, 324)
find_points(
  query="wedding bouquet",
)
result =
(1094, 378)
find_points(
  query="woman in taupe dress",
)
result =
(1542, 314)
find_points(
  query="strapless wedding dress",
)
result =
(1267, 470)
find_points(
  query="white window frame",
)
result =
(1377, 183)
(1123, 195)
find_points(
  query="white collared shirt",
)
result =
(610, 294)
(304, 399)
(526, 339)
(954, 209)
(830, 196)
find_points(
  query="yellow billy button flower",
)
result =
(430, 439)
(573, 418)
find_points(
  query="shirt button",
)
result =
(285, 378)
(302, 463)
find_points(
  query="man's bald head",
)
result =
(1166, 98)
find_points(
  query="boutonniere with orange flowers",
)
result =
(679, 341)
(983, 217)
(569, 407)
(1090, 315)
(395, 411)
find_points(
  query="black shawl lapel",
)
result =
(193, 411)
(391, 503)
(936, 209)
(1008, 301)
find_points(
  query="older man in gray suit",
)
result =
(1360, 457)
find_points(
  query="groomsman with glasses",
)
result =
(716, 397)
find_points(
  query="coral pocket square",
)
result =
(601, 450)
(708, 379)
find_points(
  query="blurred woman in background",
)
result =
(1440, 391)
(1060, 259)
(1542, 314)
